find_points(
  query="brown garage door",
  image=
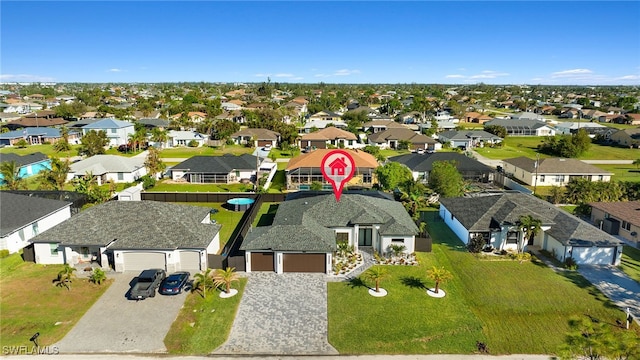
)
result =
(262, 262)
(264, 142)
(304, 263)
(319, 144)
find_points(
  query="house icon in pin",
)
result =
(338, 166)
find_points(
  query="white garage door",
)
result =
(190, 261)
(593, 255)
(144, 260)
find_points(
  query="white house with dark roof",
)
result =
(225, 169)
(496, 218)
(167, 236)
(468, 138)
(115, 168)
(523, 127)
(305, 232)
(117, 131)
(552, 171)
(29, 165)
(177, 138)
(256, 137)
(422, 164)
(22, 217)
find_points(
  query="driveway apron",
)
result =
(617, 286)
(281, 314)
(116, 324)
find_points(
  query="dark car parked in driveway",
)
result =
(174, 283)
(146, 284)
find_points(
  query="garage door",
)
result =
(593, 255)
(144, 260)
(190, 261)
(319, 144)
(262, 262)
(304, 263)
(264, 142)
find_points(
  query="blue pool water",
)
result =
(240, 201)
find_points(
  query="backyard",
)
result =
(496, 302)
(630, 262)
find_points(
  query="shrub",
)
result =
(522, 257)
(148, 182)
(476, 244)
(193, 143)
(4, 254)
(570, 264)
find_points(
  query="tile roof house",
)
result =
(117, 131)
(376, 126)
(167, 236)
(27, 122)
(258, 137)
(326, 116)
(225, 169)
(496, 218)
(114, 168)
(527, 127)
(475, 117)
(627, 137)
(305, 231)
(22, 217)
(304, 170)
(552, 171)
(468, 139)
(313, 125)
(29, 165)
(620, 218)
(330, 136)
(391, 138)
(422, 164)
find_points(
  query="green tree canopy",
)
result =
(445, 179)
(392, 174)
(93, 143)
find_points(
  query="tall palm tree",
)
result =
(65, 276)
(225, 277)
(376, 274)
(203, 281)
(159, 136)
(56, 177)
(529, 227)
(11, 178)
(438, 275)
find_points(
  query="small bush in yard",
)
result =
(570, 264)
(4, 254)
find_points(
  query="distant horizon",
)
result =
(336, 42)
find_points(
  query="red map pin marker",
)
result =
(337, 168)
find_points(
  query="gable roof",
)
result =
(468, 134)
(487, 211)
(158, 225)
(329, 133)
(22, 160)
(102, 164)
(556, 166)
(314, 159)
(305, 224)
(108, 124)
(154, 122)
(517, 123)
(628, 211)
(17, 211)
(424, 162)
(260, 134)
(45, 132)
(218, 164)
(401, 134)
(37, 122)
(383, 123)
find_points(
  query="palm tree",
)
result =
(376, 274)
(225, 277)
(636, 162)
(98, 276)
(438, 275)
(159, 136)
(55, 177)
(11, 177)
(397, 249)
(529, 227)
(65, 276)
(203, 280)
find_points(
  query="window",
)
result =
(600, 177)
(559, 178)
(54, 249)
(113, 131)
(120, 176)
(397, 241)
(626, 225)
(35, 229)
(541, 178)
(512, 237)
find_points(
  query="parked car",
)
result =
(174, 283)
(267, 147)
(146, 284)
(420, 150)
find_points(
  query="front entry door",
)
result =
(365, 237)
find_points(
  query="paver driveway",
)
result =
(282, 314)
(116, 324)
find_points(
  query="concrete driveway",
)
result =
(282, 314)
(116, 324)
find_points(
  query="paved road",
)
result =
(239, 357)
(616, 285)
(116, 324)
(282, 314)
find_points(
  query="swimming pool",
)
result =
(240, 204)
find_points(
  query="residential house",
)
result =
(326, 115)
(117, 131)
(113, 168)
(468, 139)
(613, 118)
(304, 170)
(232, 105)
(620, 218)
(96, 115)
(627, 137)
(195, 117)
(523, 127)
(177, 138)
(592, 114)
(422, 164)
(313, 125)
(29, 165)
(236, 116)
(391, 138)
(593, 129)
(256, 137)
(475, 117)
(552, 171)
(632, 119)
(527, 116)
(496, 217)
(151, 123)
(305, 232)
(6, 117)
(27, 122)
(225, 169)
(329, 137)
(164, 236)
(36, 136)
(376, 126)
(22, 217)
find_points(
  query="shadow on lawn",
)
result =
(580, 281)
(357, 283)
(413, 282)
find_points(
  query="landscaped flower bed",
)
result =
(346, 263)
(400, 259)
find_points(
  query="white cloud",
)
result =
(629, 77)
(455, 76)
(489, 74)
(115, 70)
(571, 73)
(284, 75)
(25, 78)
(345, 72)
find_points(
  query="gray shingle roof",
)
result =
(484, 212)
(556, 166)
(108, 124)
(136, 225)
(424, 162)
(218, 164)
(305, 224)
(17, 211)
(468, 134)
(22, 160)
(101, 164)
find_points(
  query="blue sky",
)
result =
(498, 42)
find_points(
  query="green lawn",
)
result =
(627, 172)
(630, 262)
(387, 153)
(513, 307)
(169, 186)
(227, 218)
(278, 182)
(203, 324)
(30, 302)
(265, 215)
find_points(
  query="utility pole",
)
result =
(535, 182)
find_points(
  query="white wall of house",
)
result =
(126, 177)
(116, 137)
(461, 232)
(214, 245)
(48, 253)
(20, 238)
(549, 179)
(408, 241)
